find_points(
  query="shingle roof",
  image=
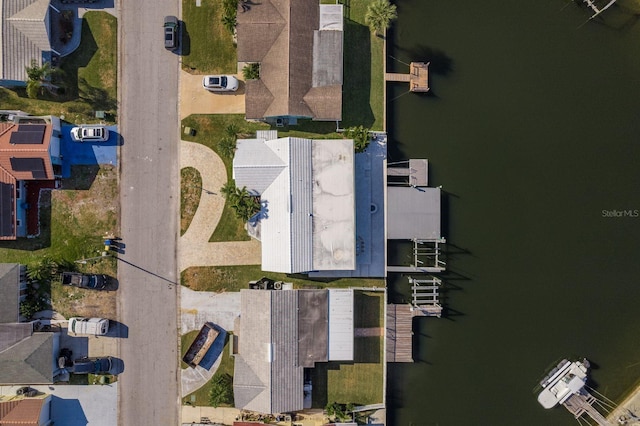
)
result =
(9, 291)
(279, 34)
(28, 361)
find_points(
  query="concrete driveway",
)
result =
(194, 99)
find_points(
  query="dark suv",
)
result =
(170, 32)
(92, 365)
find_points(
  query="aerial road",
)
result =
(149, 196)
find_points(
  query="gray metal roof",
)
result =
(313, 325)
(327, 58)
(267, 376)
(286, 373)
(25, 36)
(341, 324)
(9, 292)
(413, 213)
(31, 360)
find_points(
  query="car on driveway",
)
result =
(170, 32)
(90, 134)
(92, 365)
(220, 83)
(91, 281)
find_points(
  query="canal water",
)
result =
(533, 129)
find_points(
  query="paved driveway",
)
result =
(194, 99)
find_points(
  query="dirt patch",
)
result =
(73, 301)
(190, 192)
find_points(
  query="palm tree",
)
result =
(40, 77)
(379, 15)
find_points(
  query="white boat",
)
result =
(566, 379)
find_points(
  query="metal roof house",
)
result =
(29, 151)
(299, 45)
(307, 190)
(282, 332)
(25, 37)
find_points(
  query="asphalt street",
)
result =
(149, 195)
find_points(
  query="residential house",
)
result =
(26, 411)
(29, 155)
(282, 333)
(13, 290)
(307, 190)
(31, 31)
(26, 356)
(298, 44)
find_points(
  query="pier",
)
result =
(425, 292)
(418, 77)
(579, 404)
(399, 333)
(413, 172)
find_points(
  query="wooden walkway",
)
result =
(399, 333)
(418, 77)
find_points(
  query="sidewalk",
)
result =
(194, 247)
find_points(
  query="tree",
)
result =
(39, 77)
(241, 201)
(360, 136)
(379, 15)
(221, 391)
(227, 146)
(42, 270)
(229, 22)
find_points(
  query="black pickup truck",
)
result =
(92, 281)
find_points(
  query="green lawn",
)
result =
(207, 47)
(73, 222)
(226, 367)
(89, 77)
(363, 91)
(235, 278)
(361, 381)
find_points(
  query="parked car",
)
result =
(171, 32)
(92, 365)
(90, 134)
(88, 326)
(92, 281)
(220, 83)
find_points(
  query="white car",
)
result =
(220, 83)
(90, 134)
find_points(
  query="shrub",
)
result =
(221, 391)
(251, 71)
(360, 136)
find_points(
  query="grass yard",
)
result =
(226, 367)
(207, 46)
(210, 130)
(73, 221)
(363, 90)
(235, 278)
(361, 381)
(190, 192)
(89, 77)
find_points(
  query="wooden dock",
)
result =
(579, 404)
(418, 77)
(399, 333)
(416, 171)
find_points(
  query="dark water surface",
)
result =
(533, 130)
